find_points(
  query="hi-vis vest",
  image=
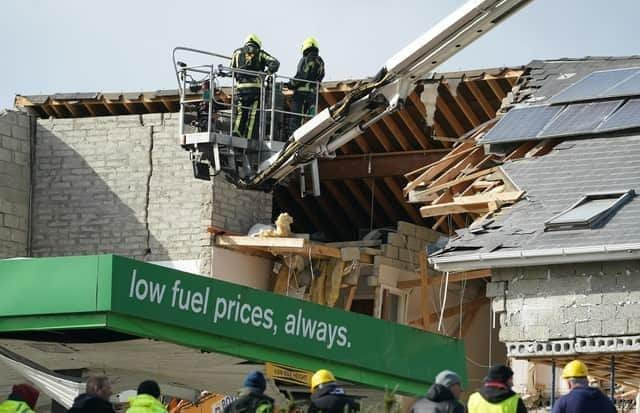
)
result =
(477, 404)
(12, 406)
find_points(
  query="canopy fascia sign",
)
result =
(146, 300)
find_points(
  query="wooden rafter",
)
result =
(482, 100)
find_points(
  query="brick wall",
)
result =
(15, 131)
(568, 306)
(121, 184)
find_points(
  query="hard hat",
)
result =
(253, 38)
(321, 377)
(308, 43)
(575, 368)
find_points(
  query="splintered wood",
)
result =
(468, 183)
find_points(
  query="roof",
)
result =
(554, 182)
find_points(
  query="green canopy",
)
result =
(145, 300)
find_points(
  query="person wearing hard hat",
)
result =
(310, 69)
(581, 398)
(496, 395)
(443, 396)
(252, 398)
(328, 397)
(247, 89)
(23, 399)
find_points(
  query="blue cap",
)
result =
(255, 380)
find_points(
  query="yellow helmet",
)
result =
(321, 377)
(253, 38)
(308, 43)
(575, 368)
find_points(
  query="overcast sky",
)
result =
(117, 45)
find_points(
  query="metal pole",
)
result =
(273, 109)
(613, 379)
(553, 383)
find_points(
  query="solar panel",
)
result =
(596, 85)
(628, 87)
(521, 124)
(580, 118)
(628, 116)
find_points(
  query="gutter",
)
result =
(526, 258)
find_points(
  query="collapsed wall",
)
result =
(568, 309)
(122, 184)
(15, 133)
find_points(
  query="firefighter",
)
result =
(23, 399)
(247, 96)
(495, 395)
(328, 397)
(311, 68)
(252, 398)
(581, 398)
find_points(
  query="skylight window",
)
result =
(589, 211)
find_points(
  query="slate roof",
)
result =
(553, 183)
(557, 180)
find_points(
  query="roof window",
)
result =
(590, 211)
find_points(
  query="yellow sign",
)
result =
(288, 374)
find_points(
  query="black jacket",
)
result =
(86, 403)
(439, 399)
(248, 402)
(310, 67)
(498, 394)
(332, 399)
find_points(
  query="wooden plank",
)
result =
(454, 208)
(465, 108)
(381, 137)
(495, 87)
(511, 196)
(420, 196)
(418, 134)
(448, 114)
(350, 296)
(344, 203)
(520, 151)
(397, 134)
(436, 167)
(468, 161)
(246, 241)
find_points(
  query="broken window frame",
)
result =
(381, 301)
(619, 198)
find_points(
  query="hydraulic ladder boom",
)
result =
(385, 93)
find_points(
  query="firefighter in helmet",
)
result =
(250, 57)
(311, 69)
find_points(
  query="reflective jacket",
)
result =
(310, 67)
(144, 403)
(251, 57)
(12, 406)
(477, 404)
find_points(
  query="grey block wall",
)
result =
(565, 302)
(122, 184)
(15, 132)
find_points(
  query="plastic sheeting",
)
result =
(62, 389)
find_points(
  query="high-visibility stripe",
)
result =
(238, 120)
(252, 119)
(245, 85)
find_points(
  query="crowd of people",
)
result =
(495, 396)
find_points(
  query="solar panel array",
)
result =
(603, 101)
(601, 85)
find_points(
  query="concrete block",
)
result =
(562, 331)
(589, 328)
(406, 256)
(5, 155)
(614, 327)
(390, 251)
(379, 260)
(536, 332)
(574, 314)
(498, 304)
(496, 289)
(628, 311)
(588, 269)
(617, 298)
(633, 326)
(406, 228)
(565, 285)
(536, 273)
(511, 333)
(397, 240)
(596, 344)
(514, 303)
(524, 287)
(589, 299)
(427, 234)
(602, 312)
(414, 244)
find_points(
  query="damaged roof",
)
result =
(574, 168)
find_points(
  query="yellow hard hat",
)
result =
(321, 376)
(575, 368)
(253, 38)
(308, 43)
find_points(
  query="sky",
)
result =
(116, 45)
